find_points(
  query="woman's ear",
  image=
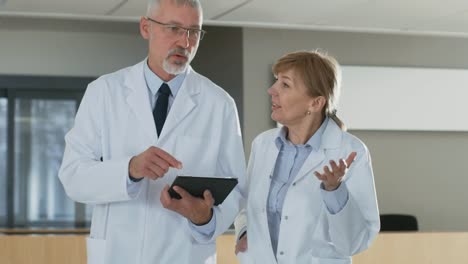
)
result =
(318, 103)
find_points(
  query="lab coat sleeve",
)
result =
(231, 162)
(353, 229)
(206, 229)
(335, 200)
(85, 178)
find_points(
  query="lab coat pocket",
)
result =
(203, 253)
(96, 250)
(244, 258)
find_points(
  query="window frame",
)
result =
(35, 87)
(3, 95)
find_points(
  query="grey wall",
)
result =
(421, 173)
(67, 47)
(57, 47)
(220, 58)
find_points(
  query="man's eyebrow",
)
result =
(172, 22)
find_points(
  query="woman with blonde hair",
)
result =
(310, 186)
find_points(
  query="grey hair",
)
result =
(154, 4)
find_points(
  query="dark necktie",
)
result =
(160, 110)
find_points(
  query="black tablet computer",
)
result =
(219, 187)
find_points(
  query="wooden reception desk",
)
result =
(389, 248)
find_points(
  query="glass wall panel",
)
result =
(3, 160)
(40, 126)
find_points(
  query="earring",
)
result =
(309, 112)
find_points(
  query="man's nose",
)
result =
(184, 39)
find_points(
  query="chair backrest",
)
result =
(398, 222)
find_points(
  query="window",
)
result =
(40, 126)
(35, 115)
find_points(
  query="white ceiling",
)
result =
(437, 17)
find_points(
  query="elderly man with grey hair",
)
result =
(140, 127)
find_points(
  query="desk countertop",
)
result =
(57, 231)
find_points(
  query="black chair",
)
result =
(398, 222)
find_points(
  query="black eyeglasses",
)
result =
(177, 31)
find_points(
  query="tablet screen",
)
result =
(196, 185)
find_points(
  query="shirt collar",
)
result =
(313, 141)
(154, 82)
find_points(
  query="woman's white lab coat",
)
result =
(115, 122)
(308, 232)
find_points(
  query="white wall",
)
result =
(404, 98)
(421, 173)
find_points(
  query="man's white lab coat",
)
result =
(115, 122)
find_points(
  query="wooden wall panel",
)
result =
(389, 248)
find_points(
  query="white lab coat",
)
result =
(115, 122)
(308, 232)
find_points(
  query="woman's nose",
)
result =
(270, 90)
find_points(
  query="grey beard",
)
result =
(174, 69)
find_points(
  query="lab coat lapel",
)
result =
(331, 139)
(311, 164)
(270, 163)
(138, 99)
(183, 104)
(267, 172)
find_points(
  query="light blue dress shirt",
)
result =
(153, 82)
(290, 159)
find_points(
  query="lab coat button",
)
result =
(286, 217)
(294, 184)
(281, 253)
